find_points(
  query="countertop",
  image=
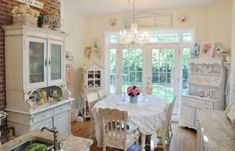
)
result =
(43, 107)
(70, 142)
(217, 131)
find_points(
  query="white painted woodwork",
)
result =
(18, 86)
(50, 55)
(60, 120)
(17, 65)
(187, 118)
(57, 115)
(190, 104)
(28, 40)
(46, 122)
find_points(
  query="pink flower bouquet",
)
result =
(133, 91)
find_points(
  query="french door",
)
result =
(156, 68)
(162, 68)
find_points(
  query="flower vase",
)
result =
(133, 99)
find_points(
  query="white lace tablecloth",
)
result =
(148, 114)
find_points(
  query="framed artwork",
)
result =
(206, 50)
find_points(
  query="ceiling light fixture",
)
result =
(133, 38)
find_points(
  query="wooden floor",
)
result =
(183, 139)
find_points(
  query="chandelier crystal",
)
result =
(133, 38)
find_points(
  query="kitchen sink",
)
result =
(23, 145)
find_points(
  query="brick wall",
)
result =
(50, 6)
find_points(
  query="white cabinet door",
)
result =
(55, 62)
(36, 62)
(187, 116)
(47, 123)
(62, 122)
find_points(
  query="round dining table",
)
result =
(147, 114)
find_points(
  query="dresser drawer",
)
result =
(197, 103)
(62, 108)
(45, 123)
(42, 116)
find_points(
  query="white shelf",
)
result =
(201, 98)
(205, 85)
(206, 61)
(205, 74)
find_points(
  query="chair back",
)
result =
(114, 124)
(168, 115)
(101, 94)
(149, 90)
(92, 99)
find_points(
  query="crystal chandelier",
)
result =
(133, 38)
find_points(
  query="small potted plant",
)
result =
(44, 20)
(133, 92)
(24, 15)
(56, 23)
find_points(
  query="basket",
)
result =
(25, 20)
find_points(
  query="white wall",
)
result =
(213, 23)
(75, 26)
(220, 22)
(232, 92)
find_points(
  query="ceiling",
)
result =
(98, 7)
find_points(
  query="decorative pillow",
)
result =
(230, 112)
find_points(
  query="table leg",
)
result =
(143, 138)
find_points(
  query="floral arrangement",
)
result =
(25, 10)
(133, 91)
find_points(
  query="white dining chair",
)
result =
(101, 94)
(117, 132)
(164, 134)
(92, 99)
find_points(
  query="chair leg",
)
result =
(164, 145)
(171, 131)
(92, 129)
(104, 148)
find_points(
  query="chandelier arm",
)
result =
(134, 11)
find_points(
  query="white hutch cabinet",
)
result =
(206, 89)
(34, 60)
(91, 80)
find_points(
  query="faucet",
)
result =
(57, 144)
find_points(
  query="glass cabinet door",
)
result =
(55, 61)
(36, 49)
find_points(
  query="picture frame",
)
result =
(206, 50)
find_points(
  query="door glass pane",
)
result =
(55, 61)
(113, 70)
(132, 68)
(185, 70)
(163, 67)
(36, 62)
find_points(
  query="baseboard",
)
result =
(175, 118)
